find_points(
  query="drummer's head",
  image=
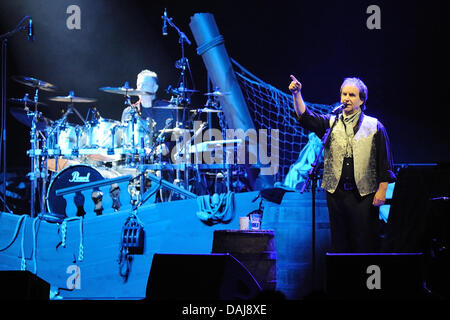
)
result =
(147, 81)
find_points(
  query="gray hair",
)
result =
(361, 87)
(144, 74)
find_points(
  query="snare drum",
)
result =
(73, 176)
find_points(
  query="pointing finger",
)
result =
(293, 78)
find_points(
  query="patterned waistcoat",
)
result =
(364, 156)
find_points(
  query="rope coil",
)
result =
(215, 209)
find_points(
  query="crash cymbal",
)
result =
(35, 83)
(71, 98)
(177, 130)
(22, 116)
(169, 107)
(206, 110)
(126, 91)
(25, 101)
(217, 93)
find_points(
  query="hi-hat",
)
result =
(25, 101)
(22, 116)
(179, 91)
(71, 98)
(217, 93)
(35, 83)
(206, 110)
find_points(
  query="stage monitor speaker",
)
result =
(199, 277)
(23, 285)
(375, 276)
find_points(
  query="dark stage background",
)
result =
(320, 42)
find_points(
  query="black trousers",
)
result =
(354, 222)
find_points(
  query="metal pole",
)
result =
(3, 126)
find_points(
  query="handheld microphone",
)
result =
(338, 108)
(30, 30)
(164, 27)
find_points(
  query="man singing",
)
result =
(357, 166)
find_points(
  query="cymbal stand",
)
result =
(4, 39)
(133, 143)
(43, 165)
(35, 172)
(134, 118)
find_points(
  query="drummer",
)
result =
(147, 80)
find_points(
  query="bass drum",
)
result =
(70, 177)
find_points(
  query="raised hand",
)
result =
(295, 86)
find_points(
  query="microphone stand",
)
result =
(4, 38)
(181, 64)
(313, 176)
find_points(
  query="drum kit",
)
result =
(62, 152)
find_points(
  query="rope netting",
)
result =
(271, 109)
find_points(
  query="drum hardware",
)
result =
(135, 124)
(180, 91)
(207, 110)
(25, 101)
(25, 117)
(110, 150)
(34, 120)
(169, 107)
(93, 115)
(65, 138)
(186, 154)
(126, 90)
(216, 93)
(177, 130)
(34, 83)
(22, 25)
(159, 139)
(71, 98)
(182, 64)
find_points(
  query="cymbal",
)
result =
(35, 83)
(217, 93)
(206, 110)
(178, 130)
(126, 91)
(72, 99)
(169, 107)
(178, 91)
(25, 101)
(22, 116)
(186, 90)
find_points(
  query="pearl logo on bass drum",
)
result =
(77, 178)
